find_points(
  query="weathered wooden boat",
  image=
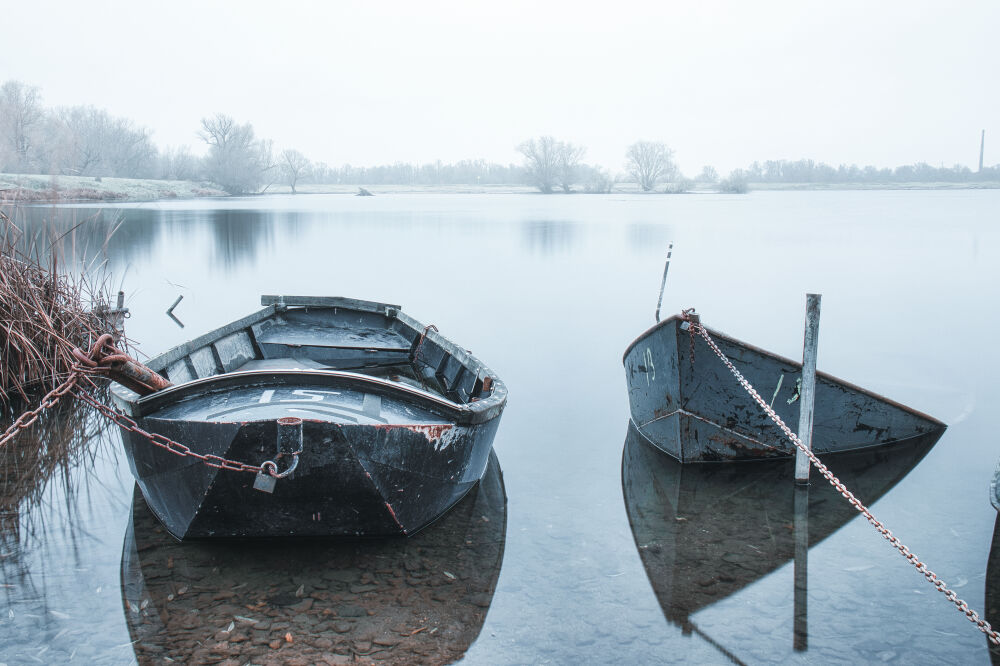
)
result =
(361, 420)
(686, 401)
(373, 599)
(705, 532)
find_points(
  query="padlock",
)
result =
(264, 482)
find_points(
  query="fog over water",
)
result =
(723, 83)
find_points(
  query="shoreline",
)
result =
(34, 189)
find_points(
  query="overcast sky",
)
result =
(722, 83)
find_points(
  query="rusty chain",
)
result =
(125, 422)
(911, 557)
(93, 363)
(86, 363)
(25, 420)
(420, 342)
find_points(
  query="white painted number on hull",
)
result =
(302, 395)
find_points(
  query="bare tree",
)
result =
(92, 142)
(735, 183)
(295, 166)
(708, 175)
(548, 163)
(541, 162)
(179, 164)
(237, 160)
(569, 163)
(21, 116)
(648, 162)
(597, 180)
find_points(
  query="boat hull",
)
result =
(352, 480)
(686, 401)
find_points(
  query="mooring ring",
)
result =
(271, 467)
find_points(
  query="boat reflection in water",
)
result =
(421, 599)
(705, 531)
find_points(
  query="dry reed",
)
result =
(45, 312)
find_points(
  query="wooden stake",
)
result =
(808, 396)
(982, 146)
(666, 267)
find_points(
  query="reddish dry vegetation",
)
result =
(44, 313)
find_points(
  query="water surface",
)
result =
(548, 291)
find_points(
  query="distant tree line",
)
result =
(77, 140)
(465, 172)
(808, 171)
(86, 141)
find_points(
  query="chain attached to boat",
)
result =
(103, 357)
(693, 323)
(420, 341)
(90, 361)
(25, 420)
(125, 422)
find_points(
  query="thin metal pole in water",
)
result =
(800, 623)
(666, 267)
(808, 396)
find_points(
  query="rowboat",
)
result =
(705, 532)
(685, 400)
(315, 416)
(376, 599)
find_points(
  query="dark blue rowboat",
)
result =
(685, 400)
(373, 424)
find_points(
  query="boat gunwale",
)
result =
(475, 411)
(778, 357)
(460, 413)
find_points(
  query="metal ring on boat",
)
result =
(271, 467)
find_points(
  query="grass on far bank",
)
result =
(33, 188)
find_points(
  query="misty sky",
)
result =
(723, 83)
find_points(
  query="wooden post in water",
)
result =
(808, 399)
(982, 146)
(666, 267)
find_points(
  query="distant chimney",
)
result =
(982, 144)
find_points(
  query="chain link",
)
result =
(101, 354)
(911, 557)
(126, 423)
(25, 420)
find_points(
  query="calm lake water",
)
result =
(548, 291)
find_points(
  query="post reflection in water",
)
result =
(706, 531)
(418, 600)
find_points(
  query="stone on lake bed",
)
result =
(350, 610)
